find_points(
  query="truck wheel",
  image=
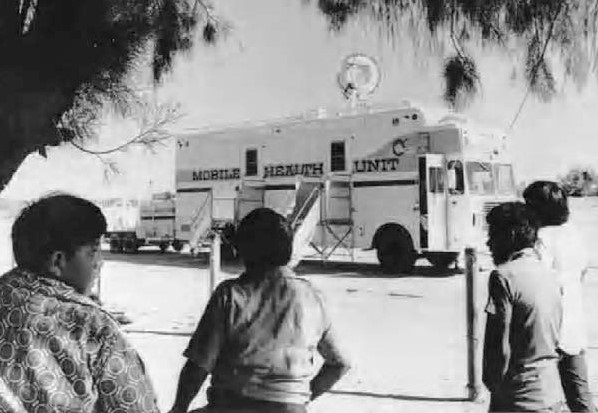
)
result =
(395, 250)
(177, 245)
(227, 252)
(441, 260)
(130, 245)
(163, 246)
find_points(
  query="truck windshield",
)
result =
(505, 182)
(480, 178)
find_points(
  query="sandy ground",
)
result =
(406, 335)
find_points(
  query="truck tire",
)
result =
(177, 245)
(130, 245)
(227, 252)
(394, 248)
(441, 260)
(163, 247)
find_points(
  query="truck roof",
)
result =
(315, 116)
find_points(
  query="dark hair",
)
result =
(57, 222)
(264, 239)
(512, 227)
(549, 202)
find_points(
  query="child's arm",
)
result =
(336, 364)
(190, 381)
(497, 351)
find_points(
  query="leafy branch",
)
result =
(153, 131)
(539, 63)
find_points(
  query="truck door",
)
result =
(433, 199)
(459, 218)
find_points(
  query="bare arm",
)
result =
(202, 352)
(191, 379)
(497, 352)
(335, 366)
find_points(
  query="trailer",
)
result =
(363, 179)
(133, 223)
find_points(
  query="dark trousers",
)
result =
(499, 406)
(574, 379)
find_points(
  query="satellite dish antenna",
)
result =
(359, 77)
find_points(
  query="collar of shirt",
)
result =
(47, 286)
(273, 272)
(526, 252)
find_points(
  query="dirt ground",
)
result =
(406, 335)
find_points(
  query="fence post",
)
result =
(474, 365)
(214, 261)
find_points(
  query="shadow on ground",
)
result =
(152, 257)
(368, 270)
(306, 268)
(400, 396)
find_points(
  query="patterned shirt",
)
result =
(61, 352)
(259, 337)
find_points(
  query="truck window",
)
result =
(337, 156)
(505, 182)
(480, 178)
(456, 180)
(251, 162)
(436, 180)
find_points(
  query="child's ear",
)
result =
(56, 263)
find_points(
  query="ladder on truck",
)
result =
(305, 218)
(250, 196)
(337, 219)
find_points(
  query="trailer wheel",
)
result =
(394, 248)
(177, 245)
(116, 246)
(441, 260)
(163, 246)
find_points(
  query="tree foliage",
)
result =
(63, 60)
(580, 181)
(550, 32)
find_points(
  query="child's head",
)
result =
(512, 227)
(549, 202)
(59, 235)
(264, 239)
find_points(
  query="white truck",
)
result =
(370, 179)
(135, 223)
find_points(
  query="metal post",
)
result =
(214, 261)
(474, 376)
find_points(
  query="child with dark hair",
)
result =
(562, 248)
(259, 334)
(59, 351)
(523, 317)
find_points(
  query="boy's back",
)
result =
(273, 326)
(535, 300)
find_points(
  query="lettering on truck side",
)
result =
(315, 169)
(216, 174)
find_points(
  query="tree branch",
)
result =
(152, 135)
(207, 10)
(538, 63)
